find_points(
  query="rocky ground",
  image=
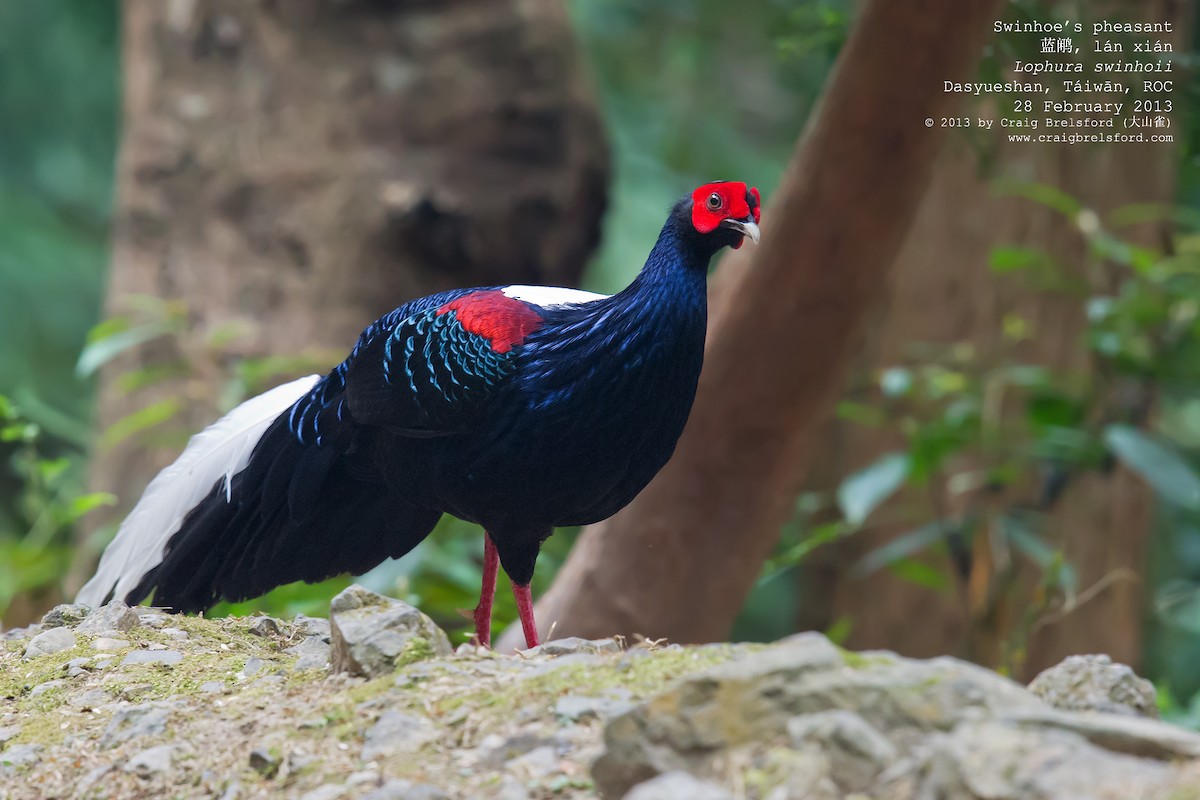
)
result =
(125, 703)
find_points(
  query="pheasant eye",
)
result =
(714, 202)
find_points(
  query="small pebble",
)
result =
(105, 643)
(573, 645)
(311, 626)
(131, 691)
(116, 616)
(55, 640)
(363, 777)
(168, 657)
(42, 688)
(93, 698)
(23, 755)
(264, 626)
(264, 763)
(152, 762)
(328, 791)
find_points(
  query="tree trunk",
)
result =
(943, 293)
(302, 167)
(679, 561)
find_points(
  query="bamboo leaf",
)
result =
(920, 573)
(85, 503)
(1159, 465)
(99, 352)
(140, 420)
(863, 491)
(902, 547)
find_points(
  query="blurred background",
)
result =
(202, 198)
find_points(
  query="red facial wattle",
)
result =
(736, 201)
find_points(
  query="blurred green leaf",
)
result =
(99, 352)
(142, 377)
(140, 420)
(287, 600)
(863, 491)
(1177, 603)
(1121, 252)
(920, 573)
(1041, 193)
(18, 432)
(84, 503)
(941, 381)
(1050, 409)
(1011, 259)
(903, 546)
(860, 413)
(106, 328)
(794, 555)
(51, 470)
(1159, 465)
(1140, 213)
(1051, 560)
(839, 631)
(225, 334)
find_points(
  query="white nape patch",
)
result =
(550, 295)
(216, 453)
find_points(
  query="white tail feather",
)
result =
(219, 451)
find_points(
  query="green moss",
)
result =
(18, 677)
(415, 649)
(561, 783)
(215, 651)
(863, 660)
(372, 688)
(759, 782)
(776, 768)
(44, 729)
(339, 715)
(640, 675)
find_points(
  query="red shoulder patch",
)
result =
(504, 321)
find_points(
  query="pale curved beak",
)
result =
(745, 227)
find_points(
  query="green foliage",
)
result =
(34, 542)
(691, 93)
(59, 103)
(1158, 463)
(991, 441)
(863, 491)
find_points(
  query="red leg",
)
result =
(483, 611)
(525, 610)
